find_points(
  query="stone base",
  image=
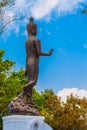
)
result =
(20, 122)
(18, 106)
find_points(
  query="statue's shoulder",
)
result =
(33, 39)
(36, 40)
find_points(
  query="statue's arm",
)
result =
(39, 52)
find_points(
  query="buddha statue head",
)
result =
(31, 27)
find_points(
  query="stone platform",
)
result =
(22, 122)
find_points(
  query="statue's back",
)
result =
(31, 48)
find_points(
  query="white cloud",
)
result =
(10, 14)
(42, 9)
(81, 93)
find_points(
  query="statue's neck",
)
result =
(30, 35)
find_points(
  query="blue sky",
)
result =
(61, 27)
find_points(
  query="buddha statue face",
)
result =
(32, 28)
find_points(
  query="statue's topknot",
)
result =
(31, 26)
(31, 19)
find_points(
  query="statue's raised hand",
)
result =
(50, 52)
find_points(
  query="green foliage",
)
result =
(12, 86)
(11, 83)
(71, 115)
(5, 65)
(40, 99)
(4, 68)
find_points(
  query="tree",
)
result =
(5, 66)
(84, 10)
(71, 115)
(4, 2)
(11, 84)
(51, 110)
(41, 98)
(4, 19)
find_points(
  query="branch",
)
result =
(4, 27)
(4, 3)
